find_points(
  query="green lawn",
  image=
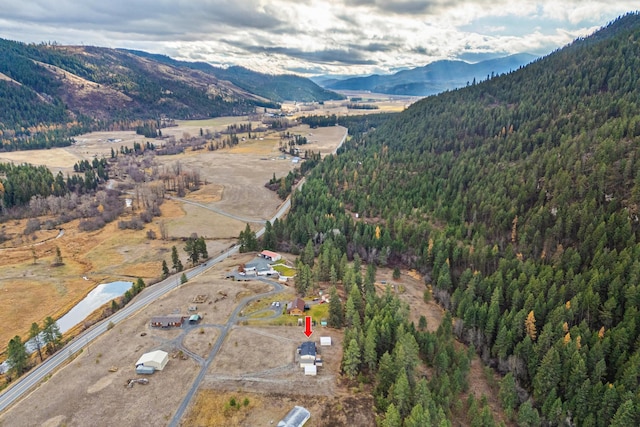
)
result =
(284, 270)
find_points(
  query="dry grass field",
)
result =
(29, 292)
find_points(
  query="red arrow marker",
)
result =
(307, 326)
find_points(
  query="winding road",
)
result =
(233, 319)
(147, 296)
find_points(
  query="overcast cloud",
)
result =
(312, 36)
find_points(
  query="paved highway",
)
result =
(38, 374)
(147, 296)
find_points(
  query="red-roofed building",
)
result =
(271, 256)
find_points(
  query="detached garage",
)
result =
(155, 359)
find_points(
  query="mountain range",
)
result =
(430, 79)
(50, 92)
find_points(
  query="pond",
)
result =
(102, 294)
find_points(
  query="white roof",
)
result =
(295, 418)
(158, 359)
(310, 370)
(325, 340)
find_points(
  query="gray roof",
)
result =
(308, 348)
(295, 418)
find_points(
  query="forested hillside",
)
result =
(50, 93)
(519, 199)
(276, 87)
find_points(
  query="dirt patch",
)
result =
(410, 289)
(101, 384)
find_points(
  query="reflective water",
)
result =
(102, 294)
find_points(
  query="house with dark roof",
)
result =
(307, 351)
(296, 307)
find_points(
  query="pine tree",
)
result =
(335, 309)
(392, 417)
(419, 417)
(351, 359)
(402, 394)
(35, 337)
(547, 376)
(51, 334)
(528, 416)
(507, 394)
(165, 269)
(175, 260)
(192, 249)
(17, 356)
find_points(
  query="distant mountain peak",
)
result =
(432, 78)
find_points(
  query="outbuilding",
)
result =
(310, 370)
(167, 321)
(271, 256)
(296, 417)
(325, 341)
(156, 359)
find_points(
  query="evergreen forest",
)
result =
(518, 198)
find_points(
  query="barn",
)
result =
(155, 359)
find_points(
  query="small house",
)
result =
(271, 256)
(296, 307)
(325, 341)
(307, 352)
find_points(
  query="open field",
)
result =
(386, 104)
(32, 291)
(257, 360)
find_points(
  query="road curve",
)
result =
(233, 319)
(147, 296)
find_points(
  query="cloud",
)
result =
(335, 36)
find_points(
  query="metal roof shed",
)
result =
(325, 341)
(296, 417)
(157, 359)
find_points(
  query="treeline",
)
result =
(518, 198)
(47, 339)
(359, 106)
(356, 124)
(383, 350)
(20, 183)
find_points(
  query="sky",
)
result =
(312, 37)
